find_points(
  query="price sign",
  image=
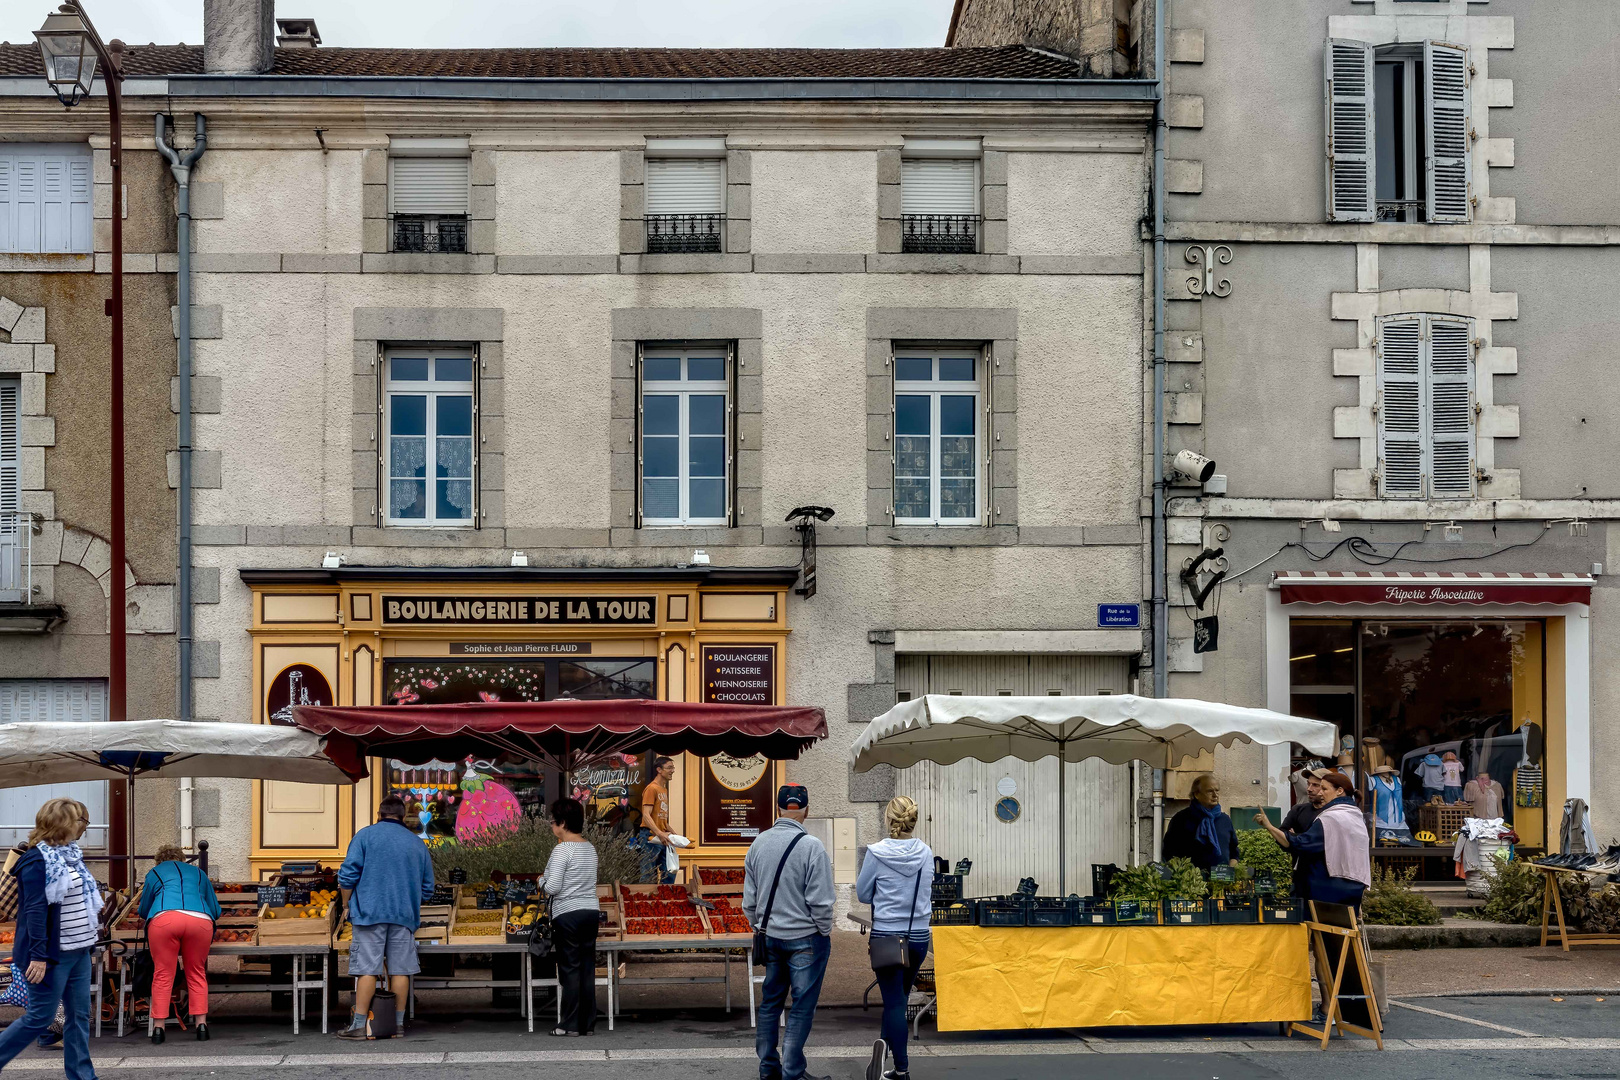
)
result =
(273, 895)
(1223, 874)
(1265, 883)
(1128, 911)
(1164, 871)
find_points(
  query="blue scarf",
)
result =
(1208, 834)
(58, 862)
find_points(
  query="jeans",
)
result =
(797, 965)
(66, 981)
(652, 861)
(573, 941)
(896, 984)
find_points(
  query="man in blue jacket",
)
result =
(385, 877)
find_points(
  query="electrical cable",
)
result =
(1366, 552)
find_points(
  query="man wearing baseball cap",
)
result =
(788, 898)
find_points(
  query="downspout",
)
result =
(181, 167)
(1161, 605)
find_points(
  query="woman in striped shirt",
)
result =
(58, 925)
(570, 881)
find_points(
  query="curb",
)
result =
(1585, 991)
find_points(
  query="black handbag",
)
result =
(770, 902)
(891, 951)
(540, 943)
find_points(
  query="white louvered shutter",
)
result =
(1352, 179)
(1400, 408)
(25, 204)
(1445, 102)
(429, 185)
(45, 199)
(939, 186)
(10, 395)
(1450, 408)
(686, 186)
(36, 700)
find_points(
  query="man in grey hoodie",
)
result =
(797, 923)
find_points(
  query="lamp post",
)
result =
(71, 49)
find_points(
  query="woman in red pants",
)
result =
(180, 908)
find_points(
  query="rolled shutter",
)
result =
(429, 185)
(1450, 408)
(685, 186)
(1400, 408)
(1445, 101)
(939, 186)
(1352, 180)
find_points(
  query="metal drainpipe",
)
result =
(1161, 604)
(181, 167)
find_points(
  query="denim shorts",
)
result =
(372, 945)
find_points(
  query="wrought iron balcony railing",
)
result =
(1404, 210)
(942, 234)
(421, 233)
(16, 558)
(667, 233)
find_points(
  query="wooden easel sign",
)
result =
(1350, 1006)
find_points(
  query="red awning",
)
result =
(1418, 589)
(568, 734)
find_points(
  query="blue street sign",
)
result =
(1129, 615)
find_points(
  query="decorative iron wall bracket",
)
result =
(1206, 283)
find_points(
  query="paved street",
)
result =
(1484, 1037)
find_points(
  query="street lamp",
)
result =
(71, 48)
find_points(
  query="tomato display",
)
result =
(665, 927)
(716, 875)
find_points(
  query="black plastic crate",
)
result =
(1102, 878)
(1281, 909)
(1004, 911)
(1187, 912)
(1235, 910)
(1050, 911)
(1089, 911)
(947, 887)
(955, 913)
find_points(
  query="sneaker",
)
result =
(896, 1074)
(880, 1052)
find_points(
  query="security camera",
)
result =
(1194, 466)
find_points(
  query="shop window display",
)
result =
(1446, 716)
(480, 797)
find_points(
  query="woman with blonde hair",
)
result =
(891, 880)
(180, 907)
(58, 925)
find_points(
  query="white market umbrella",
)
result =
(1116, 728)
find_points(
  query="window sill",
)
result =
(688, 536)
(691, 263)
(941, 264)
(410, 262)
(448, 536)
(48, 262)
(942, 535)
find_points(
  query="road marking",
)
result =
(1464, 1019)
(1074, 1048)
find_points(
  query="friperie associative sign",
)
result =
(521, 610)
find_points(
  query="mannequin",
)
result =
(1372, 754)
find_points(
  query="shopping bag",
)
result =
(16, 991)
(10, 887)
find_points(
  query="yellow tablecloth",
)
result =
(997, 979)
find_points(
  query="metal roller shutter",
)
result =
(429, 185)
(939, 186)
(685, 186)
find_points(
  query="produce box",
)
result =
(8, 933)
(955, 913)
(1050, 911)
(727, 919)
(946, 887)
(520, 919)
(1135, 913)
(226, 935)
(1281, 909)
(659, 911)
(478, 925)
(1187, 912)
(1004, 911)
(1090, 911)
(1235, 910)
(128, 924)
(309, 924)
(720, 881)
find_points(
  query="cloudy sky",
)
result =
(482, 23)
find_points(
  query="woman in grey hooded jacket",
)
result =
(892, 880)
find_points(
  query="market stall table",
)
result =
(300, 980)
(991, 979)
(723, 947)
(1553, 927)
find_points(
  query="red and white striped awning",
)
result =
(1401, 587)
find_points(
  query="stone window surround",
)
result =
(635, 327)
(738, 233)
(377, 328)
(374, 221)
(992, 203)
(1360, 421)
(996, 331)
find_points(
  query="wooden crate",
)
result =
(285, 927)
(716, 888)
(650, 892)
(491, 919)
(1443, 821)
(717, 922)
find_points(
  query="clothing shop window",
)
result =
(1398, 132)
(686, 427)
(938, 425)
(45, 198)
(1426, 420)
(430, 416)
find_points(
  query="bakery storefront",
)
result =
(441, 635)
(1454, 694)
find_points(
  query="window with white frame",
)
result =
(430, 415)
(939, 196)
(429, 197)
(685, 456)
(1398, 132)
(1426, 423)
(45, 204)
(937, 442)
(685, 195)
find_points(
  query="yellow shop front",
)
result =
(441, 635)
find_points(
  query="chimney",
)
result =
(1101, 34)
(239, 36)
(297, 34)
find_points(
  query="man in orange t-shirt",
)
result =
(655, 822)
